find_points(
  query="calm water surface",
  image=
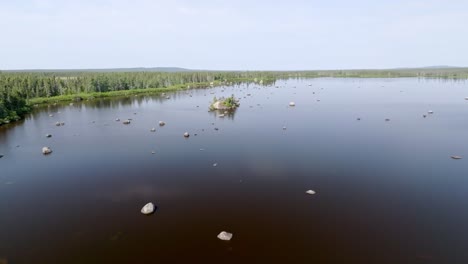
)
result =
(387, 191)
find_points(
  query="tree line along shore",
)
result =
(21, 90)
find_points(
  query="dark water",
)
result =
(387, 191)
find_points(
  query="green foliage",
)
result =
(19, 88)
(231, 102)
(12, 105)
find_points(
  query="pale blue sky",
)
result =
(233, 35)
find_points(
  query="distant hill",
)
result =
(441, 67)
(139, 69)
(430, 67)
(178, 69)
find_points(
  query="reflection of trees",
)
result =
(228, 114)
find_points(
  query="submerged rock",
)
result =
(215, 164)
(225, 236)
(1, 156)
(46, 150)
(310, 192)
(456, 157)
(148, 209)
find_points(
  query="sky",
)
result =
(233, 35)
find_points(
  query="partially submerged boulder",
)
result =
(126, 122)
(225, 236)
(162, 123)
(148, 209)
(186, 134)
(456, 157)
(46, 150)
(229, 103)
(310, 192)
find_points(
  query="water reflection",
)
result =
(386, 183)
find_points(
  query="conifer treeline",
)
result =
(16, 88)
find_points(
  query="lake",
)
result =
(386, 191)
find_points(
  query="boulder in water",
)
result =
(225, 236)
(46, 150)
(310, 192)
(186, 134)
(292, 104)
(229, 103)
(456, 157)
(161, 123)
(148, 209)
(126, 122)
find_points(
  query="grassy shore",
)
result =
(88, 96)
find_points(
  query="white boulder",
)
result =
(225, 236)
(148, 209)
(46, 150)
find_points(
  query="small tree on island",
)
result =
(222, 103)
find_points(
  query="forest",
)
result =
(20, 90)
